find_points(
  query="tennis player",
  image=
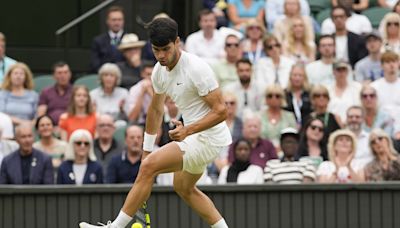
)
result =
(190, 82)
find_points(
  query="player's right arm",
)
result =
(154, 116)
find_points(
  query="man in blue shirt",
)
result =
(5, 62)
(124, 167)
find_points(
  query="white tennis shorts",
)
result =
(198, 153)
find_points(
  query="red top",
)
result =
(72, 123)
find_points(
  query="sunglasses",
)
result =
(314, 127)
(80, 143)
(270, 47)
(232, 45)
(277, 96)
(368, 95)
(230, 103)
(393, 23)
(375, 140)
(318, 95)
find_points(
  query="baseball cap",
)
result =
(340, 63)
(289, 131)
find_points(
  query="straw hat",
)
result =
(130, 40)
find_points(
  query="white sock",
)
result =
(122, 220)
(220, 224)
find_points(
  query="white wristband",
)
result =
(148, 142)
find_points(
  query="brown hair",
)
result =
(28, 83)
(389, 56)
(115, 9)
(71, 105)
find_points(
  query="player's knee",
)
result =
(148, 168)
(184, 191)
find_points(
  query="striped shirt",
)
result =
(288, 172)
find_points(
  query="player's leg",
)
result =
(166, 159)
(185, 187)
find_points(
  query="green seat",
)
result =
(91, 81)
(375, 15)
(119, 134)
(43, 81)
(323, 15)
(318, 5)
(373, 3)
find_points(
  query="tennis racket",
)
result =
(143, 217)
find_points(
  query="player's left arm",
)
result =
(217, 114)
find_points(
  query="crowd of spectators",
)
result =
(306, 102)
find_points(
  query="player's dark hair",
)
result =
(162, 31)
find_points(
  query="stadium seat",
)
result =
(318, 5)
(91, 81)
(323, 15)
(375, 15)
(119, 134)
(43, 81)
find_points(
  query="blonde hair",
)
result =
(378, 132)
(229, 94)
(306, 85)
(333, 138)
(71, 109)
(255, 22)
(78, 134)
(2, 37)
(28, 83)
(319, 89)
(298, 5)
(110, 68)
(276, 89)
(305, 41)
(388, 17)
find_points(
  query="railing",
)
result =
(281, 206)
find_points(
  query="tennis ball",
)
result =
(137, 225)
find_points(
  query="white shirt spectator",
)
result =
(288, 172)
(319, 73)
(132, 98)
(252, 175)
(327, 168)
(350, 97)
(209, 50)
(357, 23)
(108, 104)
(6, 126)
(341, 48)
(363, 153)
(274, 9)
(266, 73)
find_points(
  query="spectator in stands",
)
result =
(26, 165)
(53, 101)
(391, 4)
(275, 68)
(80, 166)
(343, 93)
(275, 9)
(241, 11)
(396, 7)
(249, 94)
(355, 117)
(219, 9)
(390, 30)
(369, 68)
(312, 143)
(17, 98)
(355, 23)
(253, 48)
(356, 5)
(207, 43)
(171, 113)
(386, 163)
(225, 69)
(321, 71)
(5, 61)
(6, 146)
(131, 47)
(47, 143)
(286, 170)
(375, 117)
(124, 168)
(106, 146)
(388, 88)
(292, 11)
(297, 94)
(299, 44)
(104, 46)
(7, 126)
(139, 98)
(234, 123)
(275, 119)
(350, 46)
(241, 171)
(79, 115)
(341, 167)
(109, 98)
(262, 150)
(320, 100)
